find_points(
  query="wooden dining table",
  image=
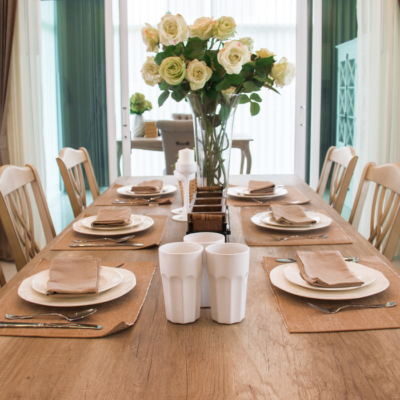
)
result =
(255, 359)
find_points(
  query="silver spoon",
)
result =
(337, 309)
(292, 260)
(120, 240)
(72, 317)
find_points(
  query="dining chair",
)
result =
(2, 277)
(16, 211)
(385, 210)
(344, 160)
(69, 162)
(182, 117)
(175, 135)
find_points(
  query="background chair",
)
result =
(16, 211)
(344, 160)
(385, 210)
(176, 135)
(182, 117)
(69, 161)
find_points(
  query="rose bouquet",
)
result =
(198, 63)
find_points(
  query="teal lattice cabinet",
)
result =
(346, 100)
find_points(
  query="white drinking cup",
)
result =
(205, 239)
(181, 267)
(228, 270)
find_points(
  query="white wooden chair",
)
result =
(16, 211)
(385, 211)
(69, 161)
(344, 160)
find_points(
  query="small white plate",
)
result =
(323, 223)
(270, 220)
(238, 192)
(279, 280)
(146, 223)
(26, 292)
(292, 273)
(127, 191)
(109, 278)
(135, 221)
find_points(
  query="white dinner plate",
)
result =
(109, 278)
(135, 221)
(268, 218)
(292, 273)
(238, 192)
(127, 191)
(279, 280)
(26, 292)
(324, 221)
(146, 223)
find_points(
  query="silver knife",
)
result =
(43, 325)
(105, 245)
(135, 204)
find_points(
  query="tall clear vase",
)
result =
(213, 128)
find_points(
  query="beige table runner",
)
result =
(292, 195)
(113, 316)
(150, 237)
(299, 317)
(256, 236)
(111, 194)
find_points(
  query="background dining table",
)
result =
(255, 359)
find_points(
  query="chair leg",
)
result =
(2, 277)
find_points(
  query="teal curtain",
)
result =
(81, 91)
(339, 25)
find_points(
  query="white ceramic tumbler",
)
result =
(228, 270)
(181, 267)
(205, 239)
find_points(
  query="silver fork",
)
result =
(139, 198)
(334, 310)
(297, 236)
(268, 202)
(120, 240)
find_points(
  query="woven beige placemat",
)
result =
(150, 237)
(256, 236)
(299, 317)
(113, 316)
(292, 195)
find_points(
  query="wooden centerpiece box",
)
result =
(208, 212)
(150, 129)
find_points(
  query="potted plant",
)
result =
(138, 105)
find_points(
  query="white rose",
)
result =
(197, 73)
(264, 53)
(202, 28)
(233, 56)
(231, 90)
(173, 70)
(249, 42)
(224, 28)
(283, 72)
(151, 72)
(172, 29)
(150, 38)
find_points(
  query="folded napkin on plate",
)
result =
(74, 276)
(291, 215)
(153, 186)
(111, 218)
(261, 187)
(326, 269)
(143, 202)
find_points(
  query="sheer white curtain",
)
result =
(378, 97)
(272, 24)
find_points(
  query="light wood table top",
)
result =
(255, 359)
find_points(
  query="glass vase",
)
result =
(213, 128)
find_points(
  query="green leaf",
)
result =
(215, 76)
(196, 54)
(163, 96)
(234, 79)
(224, 113)
(223, 85)
(158, 59)
(177, 95)
(272, 88)
(257, 78)
(195, 43)
(254, 109)
(248, 66)
(212, 94)
(256, 97)
(264, 62)
(163, 85)
(261, 73)
(207, 60)
(258, 83)
(250, 86)
(244, 99)
(178, 49)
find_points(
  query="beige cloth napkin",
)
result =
(291, 215)
(74, 276)
(153, 186)
(107, 217)
(261, 187)
(326, 269)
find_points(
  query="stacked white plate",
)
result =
(287, 277)
(127, 191)
(242, 192)
(113, 283)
